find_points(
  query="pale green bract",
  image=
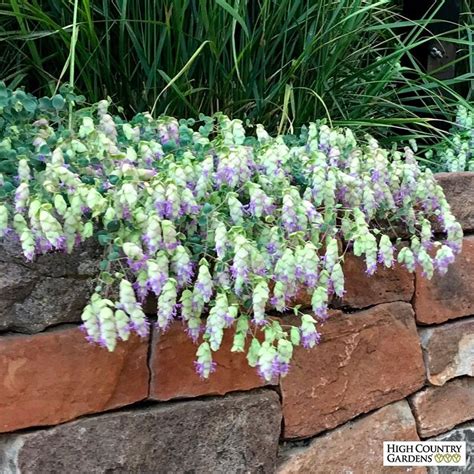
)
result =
(223, 228)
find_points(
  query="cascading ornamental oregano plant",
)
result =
(222, 228)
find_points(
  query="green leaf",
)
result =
(83, 162)
(8, 187)
(8, 167)
(58, 102)
(207, 208)
(113, 226)
(106, 278)
(45, 103)
(29, 103)
(87, 179)
(235, 15)
(113, 256)
(103, 238)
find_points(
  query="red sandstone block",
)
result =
(56, 376)
(385, 286)
(365, 360)
(447, 296)
(438, 409)
(355, 447)
(173, 374)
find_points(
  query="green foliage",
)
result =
(282, 63)
(455, 153)
(222, 224)
(19, 108)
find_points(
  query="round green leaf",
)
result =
(58, 102)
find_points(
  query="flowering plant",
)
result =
(223, 228)
(457, 152)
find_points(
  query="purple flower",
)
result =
(289, 218)
(142, 328)
(371, 269)
(204, 289)
(310, 339)
(102, 342)
(311, 278)
(184, 273)
(29, 255)
(90, 340)
(401, 194)
(375, 175)
(126, 214)
(272, 248)
(299, 272)
(341, 193)
(194, 333)
(322, 312)
(311, 212)
(166, 315)
(444, 258)
(156, 282)
(225, 175)
(141, 291)
(164, 208)
(202, 368)
(274, 301)
(42, 245)
(259, 322)
(278, 367)
(137, 265)
(334, 155)
(323, 147)
(237, 271)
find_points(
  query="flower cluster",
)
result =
(222, 228)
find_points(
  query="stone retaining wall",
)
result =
(396, 363)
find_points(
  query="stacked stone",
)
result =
(395, 363)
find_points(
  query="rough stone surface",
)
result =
(438, 409)
(355, 447)
(386, 286)
(173, 374)
(448, 350)
(51, 301)
(461, 433)
(447, 296)
(83, 261)
(233, 434)
(52, 290)
(459, 190)
(56, 376)
(366, 360)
